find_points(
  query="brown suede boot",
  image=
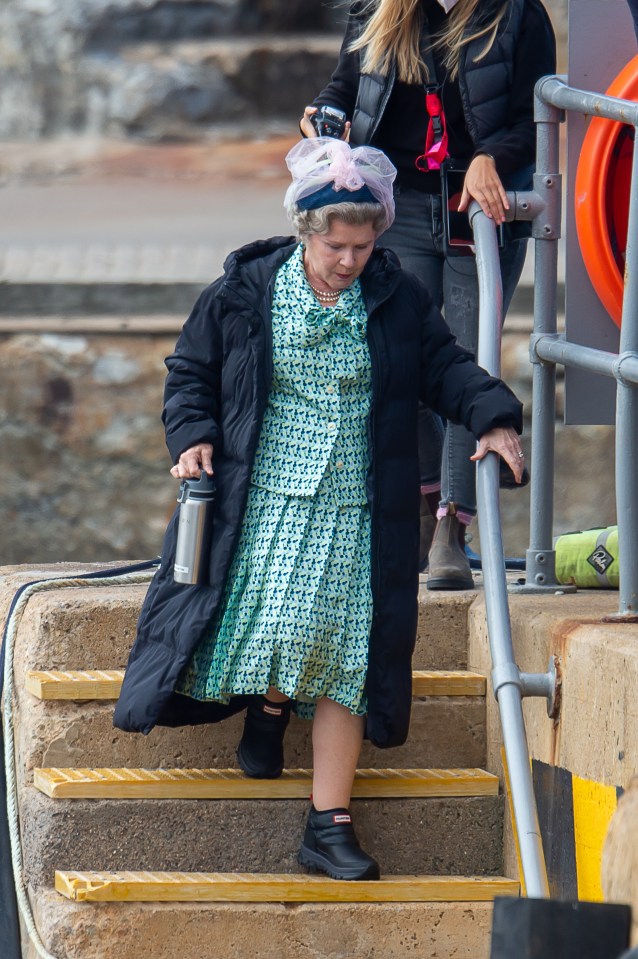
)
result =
(449, 567)
(427, 525)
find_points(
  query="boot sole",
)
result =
(450, 582)
(315, 862)
(253, 772)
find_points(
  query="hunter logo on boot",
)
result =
(273, 710)
(600, 559)
(341, 817)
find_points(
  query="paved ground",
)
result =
(91, 211)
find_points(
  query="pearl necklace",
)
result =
(331, 297)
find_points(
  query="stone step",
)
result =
(429, 836)
(185, 88)
(94, 628)
(233, 784)
(247, 887)
(327, 930)
(443, 731)
(44, 281)
(107, 28)
(106, 684)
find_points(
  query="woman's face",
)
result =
(335, 259)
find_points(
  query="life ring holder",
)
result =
(601, 196)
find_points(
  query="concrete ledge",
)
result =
(595, 739)
(410, 836)
(326, 931)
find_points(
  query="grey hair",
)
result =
(307, 222)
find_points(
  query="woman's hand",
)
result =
(483, 184)
(308, 128)
(507, 444)
(193, 461)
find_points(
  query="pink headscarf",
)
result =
(318, 161)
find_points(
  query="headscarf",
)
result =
(326, 171)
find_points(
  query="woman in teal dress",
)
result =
(302, 598)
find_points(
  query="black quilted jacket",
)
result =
(217, 390)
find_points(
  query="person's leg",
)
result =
(449, 567)
(330, 843)
(413, 237)
(336, 743)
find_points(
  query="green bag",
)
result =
(588, 559)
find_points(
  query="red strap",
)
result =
(435, 151)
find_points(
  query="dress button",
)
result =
(332, 427)
(330, 389)
(339, 464)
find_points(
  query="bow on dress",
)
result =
(321, 321)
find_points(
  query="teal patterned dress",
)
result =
(297, 609)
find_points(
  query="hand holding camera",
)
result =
(325, 121)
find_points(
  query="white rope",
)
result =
(13, 624)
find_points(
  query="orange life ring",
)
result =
(601, 198)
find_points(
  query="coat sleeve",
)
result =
(453, 385)
(192, 388)
(534, 57)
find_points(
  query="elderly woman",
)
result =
(297, 379)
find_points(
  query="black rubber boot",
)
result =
(330, 845)
(449, 567)
(261, 749)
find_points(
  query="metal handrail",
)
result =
(542, 207)
(509, 684)
(548, 349)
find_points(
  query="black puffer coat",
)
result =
(216, 392)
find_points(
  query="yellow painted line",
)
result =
(106, 683)
(442, 683)
(75, 683)
(594, 805)
(232, 784)
(510, 805)
(261, 887)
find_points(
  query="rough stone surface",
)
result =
(620, 855)
(79, 422)
(93, 628)
(282, 931)
(444, 733)
(65, 66)
(410, 836)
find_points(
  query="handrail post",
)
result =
(541, 556)
(506, 678)
(627, 421)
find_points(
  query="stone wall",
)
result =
(165, 68)
(85, 470)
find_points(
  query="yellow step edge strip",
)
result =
(75, 683)
(451, 683)
(89, 684)
(232, 784)
(261, 887)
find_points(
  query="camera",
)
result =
(329, 122)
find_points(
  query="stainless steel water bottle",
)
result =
(194, 531)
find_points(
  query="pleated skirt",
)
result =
(297, 609)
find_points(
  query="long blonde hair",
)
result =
(393, 30)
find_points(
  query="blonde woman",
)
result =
(480, 59)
